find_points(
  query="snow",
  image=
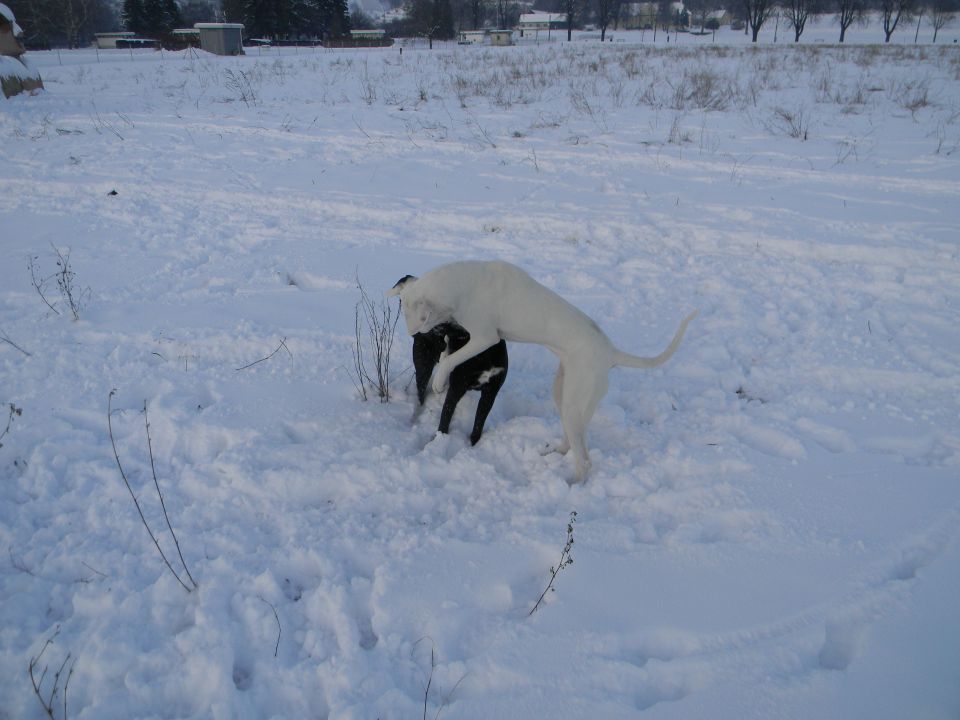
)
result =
(18, 68)
(770, 525)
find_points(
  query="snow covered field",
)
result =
(771, 525)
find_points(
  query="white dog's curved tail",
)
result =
(635, 361)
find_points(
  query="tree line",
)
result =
(72, 23)
(290, 19)
(794, 14)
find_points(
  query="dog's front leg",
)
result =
(476, 345)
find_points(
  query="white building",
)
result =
(536, 24)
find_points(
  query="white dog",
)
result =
(497, 300)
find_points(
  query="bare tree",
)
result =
(607, 11)
(664, 17)
(797, 12)
(757, 13)
(73, 14)
(570, 8)
(892, 12)
(847, 12)
(941, 12)
(476, 8)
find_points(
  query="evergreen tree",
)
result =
(443, 20)
(339, 25)
(134, 19)
(285, 19)
(267, 18)
(157, 18)
(234, 12)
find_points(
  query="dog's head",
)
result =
(419, 313)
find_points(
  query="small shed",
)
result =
(108, 40)
(485, 37)
(221, 38)
(472, 37)
(360, 38)
(370, 38)
(183, 38)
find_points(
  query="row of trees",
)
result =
(62, 23)
(606, 14)
(289, 19)
(794, 14)
(71, 23)
(893, 13)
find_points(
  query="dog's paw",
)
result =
(559, 448)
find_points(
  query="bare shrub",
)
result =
(375, 326)
(240, 83)
(795, 123)
(6, 339)
(48, 697)
(678, 134)
(193, 583)
(911, 95)
(428, 686)
(566, 559)
(708, 91)
(64, 278)
(14, 412)
(368, 90)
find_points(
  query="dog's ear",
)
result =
(401, 284)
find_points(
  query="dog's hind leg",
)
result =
(487, 395)
(582, 392)
(564, 445)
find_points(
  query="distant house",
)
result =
(497, 38)
(644, 15)
(221, 38)
(360, 38)
(472, 37)
(720, 17)
(534, 24)
(370, 38)
(108, 40)
(183, 38)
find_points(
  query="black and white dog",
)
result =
(485, 372)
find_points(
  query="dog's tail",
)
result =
(627, 360)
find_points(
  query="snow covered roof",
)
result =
(7, 14)
(217, 26)
(543, 17)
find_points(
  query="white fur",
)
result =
(497, 300)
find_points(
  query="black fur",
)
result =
(427, 348)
